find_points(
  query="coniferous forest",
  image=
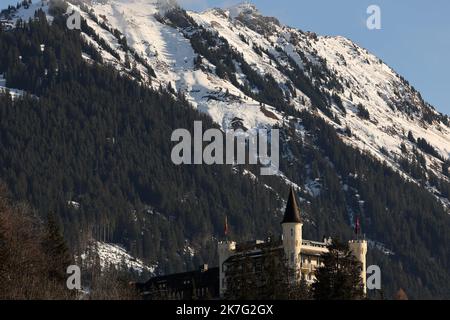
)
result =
(86, 134)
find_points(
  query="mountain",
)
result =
(372, 107)
(356, 137)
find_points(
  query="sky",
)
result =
(414, 38)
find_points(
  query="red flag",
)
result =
(225, 230)
(357, 225)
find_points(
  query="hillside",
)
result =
(98, 106)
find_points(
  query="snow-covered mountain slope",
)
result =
(171, 56)
(372, 107)
(26, 11)
(394, 107)
(13, 92)
(113, 255)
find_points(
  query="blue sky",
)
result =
(414, 39)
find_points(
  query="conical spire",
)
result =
(292, 213)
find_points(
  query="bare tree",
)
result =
(24, 264)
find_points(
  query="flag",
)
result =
(225, 230)
(357, 225)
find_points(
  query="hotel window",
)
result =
(292, 232)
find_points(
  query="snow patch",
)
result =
(115, 255)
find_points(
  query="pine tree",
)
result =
(445, 167)
(55, 248)
(340, 276)
(266, 277)
(411, 137)
(84, 101)
(241, 279)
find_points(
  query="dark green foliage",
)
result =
(217, 51)
(414, 168)
(301, 80)
(348, 131)
(406, 219)
(243, 39)
(198, 61)
(426, 147)
(33, 256)
(178, 18)
(121, 39)
(445, 167)
(411, 137)
(337, 99)
(265, 277)
(340, 276)
(103, 44)
(258, 23)
(363, 113)
(103, 141)
(403, 148)
(445, 120)
(420, 158)
(56, 250)
(257, 50)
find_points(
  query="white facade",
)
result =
(301, 255)
(359, 250)
(226, 249)
(292, 244)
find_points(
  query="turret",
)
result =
(225, 250)
(292, 233)
(359, 250)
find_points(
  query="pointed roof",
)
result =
(292, 213)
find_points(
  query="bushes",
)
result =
(426, 147)
(363, 113)
(445, 167)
